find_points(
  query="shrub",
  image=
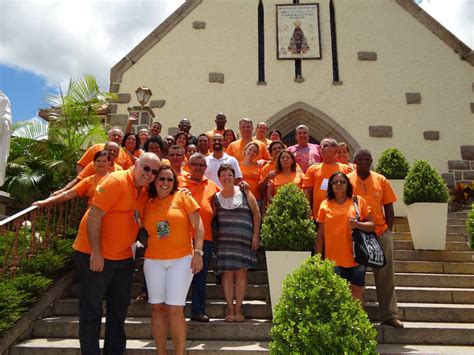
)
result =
(392, 164)
(470, 225)
(424, 184)
(46, 263)
(288, 224)
(12, 304)
(31, 284)
(316, 314)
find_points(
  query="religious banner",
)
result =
(298, 34)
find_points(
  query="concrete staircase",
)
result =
(435, 291)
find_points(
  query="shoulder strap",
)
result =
(356, 206)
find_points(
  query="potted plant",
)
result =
(394, 166)
(288, 233)
(317, 315)
(462, 196)
(426, 196)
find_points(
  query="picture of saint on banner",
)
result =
(298, 31)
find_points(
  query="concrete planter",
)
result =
(399, 207)
(280, 264)
(428, 223)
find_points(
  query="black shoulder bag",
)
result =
(366, 248)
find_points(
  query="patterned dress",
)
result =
(234, 233)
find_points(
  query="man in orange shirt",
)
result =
(202, 189)
(261, 132)
(220, 121)
(115, 135)
(378, 193)
(315, 183)
(104, 255)
(176, 158)
(236, 149)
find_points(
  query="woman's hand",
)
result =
(196, 263)
(353, 223)
(255, 242)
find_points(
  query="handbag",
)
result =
(142, 237)
(366, 248)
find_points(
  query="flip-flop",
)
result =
(229, 319)
(142, 297)
(240, 318)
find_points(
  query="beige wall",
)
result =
(410, 59)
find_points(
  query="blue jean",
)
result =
(199, 291)
(355, 275)
(112, 284)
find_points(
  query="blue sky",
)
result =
(45, 42)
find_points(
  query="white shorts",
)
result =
(168, 280)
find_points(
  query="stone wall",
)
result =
(461, 171)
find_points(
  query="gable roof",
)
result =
(167, 25)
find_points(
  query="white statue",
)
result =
(5, 133)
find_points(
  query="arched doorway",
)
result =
(320, 125)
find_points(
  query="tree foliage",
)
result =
(424, 184)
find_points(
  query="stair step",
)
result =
(427, 312)
(437, 267)
(460, 214)
(214, 308)
(450, 245)
(453, 226)
(433, 255)
(139, 328)
(253, 277)
(428, 333)
(57, 346)
(422, 349)
(426, 294)
(427, 280)
(450, 237)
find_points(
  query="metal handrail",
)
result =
(16, 215)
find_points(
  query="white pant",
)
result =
(168, 280)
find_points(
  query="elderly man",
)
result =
(378, 193)
(202, 189)
(261, 133)
(220, 122)
(115, 135)
(236, 149)
(104, 256)
(217, 158)
(317, 176)
(306, 153)
(176, 158)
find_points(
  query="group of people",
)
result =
(199, 195)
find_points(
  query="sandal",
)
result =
(142, 297)
(229, 318)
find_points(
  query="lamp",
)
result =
(143, 95)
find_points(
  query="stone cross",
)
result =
(5, 133)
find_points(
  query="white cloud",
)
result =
(59, 39)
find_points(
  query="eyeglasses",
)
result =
(147, 169)
(339, 182)
(166, 179)
(198, 165)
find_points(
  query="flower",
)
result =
(463, 193)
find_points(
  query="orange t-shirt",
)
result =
(269, 166)
(282, 179)
(265, 141)
(203, 193)
(251, 175)
(317, 177)
(337, 233)
(88, 156)
(236, 149)
(168, 226)
(89, 170)
(86, 187)
(116, 195)
(211, 133)
(377, 191)
(186, 169)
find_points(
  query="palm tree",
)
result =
(42, 160)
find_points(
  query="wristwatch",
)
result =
(199, 252)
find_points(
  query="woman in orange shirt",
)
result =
(131, 145)
(174, 253)
(336, 218)
(342, 155)
(188, 151)
(84, 187)
(229, 137)
(250, 169)
(286, 173)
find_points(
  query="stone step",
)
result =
(428, 333)
(427, 280)
(437, 267)
(58, 346)
(422, 349)
(427, 312)
(460, 214)
(457, 226)
(433, 255)
(450, 245)
(214, 308)
(450, 237)
(254, 277)
(139, 328)
(426, 295)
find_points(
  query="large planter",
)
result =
(280, 264)
(399, 207)
(428, 225)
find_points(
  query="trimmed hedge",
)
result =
(392, 164)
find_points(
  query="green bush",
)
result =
(47, 263)
(64, 247)
(470, 225)
(287, 224)
(392, 164)
(316, 314)
(12, 304)
(424, 184)
(31, 284)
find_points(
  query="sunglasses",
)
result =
(200, 165)
(339, 182)
(165, 179)
(147, 169)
